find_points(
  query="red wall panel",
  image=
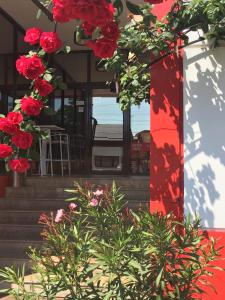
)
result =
(166, 158)
(218, 280)
(166, 148)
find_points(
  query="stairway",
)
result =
(21, 208)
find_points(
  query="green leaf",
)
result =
(48, 76)
(118, 4)
(108, 295)
(39, 14)
(157, 282)
(133, 8)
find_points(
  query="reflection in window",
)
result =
(107, 111)
(58, 111)
(69, 112)
(10, 103)
(140, 145)
(107, 152)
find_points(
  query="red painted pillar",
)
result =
(166, 115)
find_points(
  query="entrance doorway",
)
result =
(103, 139)
(108, 146)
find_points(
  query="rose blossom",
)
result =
(19, 165)
(50, 42)
(60, 14)
(30, 67)
(72, 206)
(96, 12)
(32, 35)
(5, 150)
(111, 31)
(22, 140)
(60, 215)
(31, 106)
(15, 117)
(8, 127)
(43, 86)
(98, 193)
(88, 28)
(103, 48)
(94, 202)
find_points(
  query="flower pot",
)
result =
(5, 180)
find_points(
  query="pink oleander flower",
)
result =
(98, 193)
(72, 206)
(94, 202)
(60, 215)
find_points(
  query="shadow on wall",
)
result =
(166, 185)
(204, 133)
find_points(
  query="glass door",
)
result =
(108, 139)
(71, 112)
(140, 139)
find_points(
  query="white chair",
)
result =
(49, 155)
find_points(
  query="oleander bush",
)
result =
(99, 249)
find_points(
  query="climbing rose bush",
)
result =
(18, 127)
(96, 248)
(95, 15)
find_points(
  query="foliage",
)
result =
(149, 37)
(101, 250)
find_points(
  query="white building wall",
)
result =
(204, 134)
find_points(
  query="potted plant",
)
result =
(5, 178)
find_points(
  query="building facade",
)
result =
(187, 119)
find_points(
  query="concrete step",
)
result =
(20, 232)
(43, 204)
(17, 249)
(36, 204)
(16, 262)
(60, 193)
(121, 181)
(20, 217)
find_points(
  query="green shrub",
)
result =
(99, 249)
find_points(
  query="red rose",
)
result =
(22, 140)
(20, 165)
(8, 127)
(50, 42)
(21, 64)
(96, 12)
(5, 150)
(43, 86)
(111, 31)
(105, 14)
(103, 47)
(30, 67)
(88, 28)
(32, 35)
(15, 117)
(31, 106)
(60, 14)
